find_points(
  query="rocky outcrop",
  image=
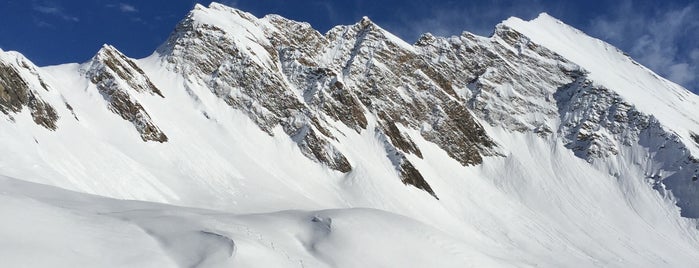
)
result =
(505, 79)
(394, 81)
(366, 70)
(397, 154)
(511, 82)
(695, 138)
(286, 75)
(243, 71)
(594, 120)
(16, 93)
(597, 124)
(115, 76)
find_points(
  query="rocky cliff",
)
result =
(284, 74)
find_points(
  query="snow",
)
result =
(241, 27)
(673, 105)
(222, 192)
(395, 39)
(553, 203)
(545, 203)
(57, 225)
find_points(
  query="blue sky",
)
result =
(663, 35)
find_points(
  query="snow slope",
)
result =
(58, 228)
(240, 182)
(50, 226)
(673, 105)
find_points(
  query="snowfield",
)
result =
(222, 192)
(52, 227)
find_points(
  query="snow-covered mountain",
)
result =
(260, 142)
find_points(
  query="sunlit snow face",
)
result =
(583, 153)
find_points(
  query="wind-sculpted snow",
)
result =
(623, 119)
(279, 146)
(598, 125)
(58, 228)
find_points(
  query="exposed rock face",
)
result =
(13, 90)
(286, 75)
(509, 81)
(393, 81)
(282, 72)
(594, 119)
(695, 137)
(241, 68)
(115, 76)
(597, 124)
(505, 79)
(16, 93)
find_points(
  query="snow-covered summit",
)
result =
(22, 86)
(674, 106)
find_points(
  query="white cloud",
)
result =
(127, 8)
(665, 42)
(42, 24)
(682, 73)
(694, 55)
(51, 8)
(230, 3)
(453, 19)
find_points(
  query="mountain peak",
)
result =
(217, 5)
(107, 50)
(110, 55)
(21, 86)
(212, 5)
(198, 6)
(365, 22)
(545, 16)
(673, 105)
(366, 29)
(117, 79)
(219, 13)
(541, 17)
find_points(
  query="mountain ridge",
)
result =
(507, 140)
(304, 118)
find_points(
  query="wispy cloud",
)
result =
(231, 3)
(53, 9)
(123, 7)
(694, 55)
(329, 10)
(42, 24)
(453, 19)
(666, 42)
(127, 8)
